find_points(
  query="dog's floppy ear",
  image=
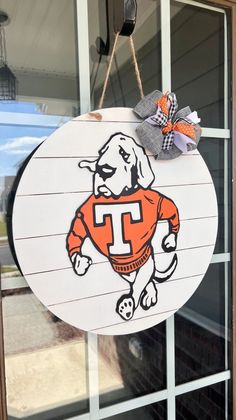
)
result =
(145, 176)
(91, 165)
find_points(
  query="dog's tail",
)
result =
(161, 276)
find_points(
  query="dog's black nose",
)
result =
(105, 171)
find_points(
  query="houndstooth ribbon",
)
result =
(167, 107)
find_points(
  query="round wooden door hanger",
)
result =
(109, 239)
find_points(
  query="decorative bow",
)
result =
(165, 131)
(165, 118)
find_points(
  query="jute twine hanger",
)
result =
(136, 68)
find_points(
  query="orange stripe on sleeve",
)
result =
(168, 211)
(76, 235)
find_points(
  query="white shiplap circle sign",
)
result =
(109, 239)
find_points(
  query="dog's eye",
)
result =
(107, 170)
(124, 154)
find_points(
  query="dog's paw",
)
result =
(169, 242)
(149, 297)
(125, 307)
(80, 263)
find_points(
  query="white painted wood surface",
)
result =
(49, 252)
(64, 285)
(101, 306)
(53, 187)
(88, 137)
(108, 115)
(51, 178)
(52, 214)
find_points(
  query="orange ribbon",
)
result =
(163, 104)
(184, 128)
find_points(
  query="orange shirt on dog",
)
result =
(122, 229)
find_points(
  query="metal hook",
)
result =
(125, 12)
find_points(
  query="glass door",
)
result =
(45, 359)
(181, 368)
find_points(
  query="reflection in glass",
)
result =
(122, 88)
(135, 364)
(204, 403)
(150, 412)
(197, 75)
(45, 360)
(45, 65)
(199, 329)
